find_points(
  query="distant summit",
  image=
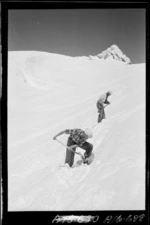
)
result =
(113, 52)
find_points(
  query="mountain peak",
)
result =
(114, 52)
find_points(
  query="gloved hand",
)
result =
(54, 138)
(107, 102)
(85, 161)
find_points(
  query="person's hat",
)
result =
(88, 133)
(109, 92)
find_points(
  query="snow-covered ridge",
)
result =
(113, 52)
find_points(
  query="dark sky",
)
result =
(78, 32)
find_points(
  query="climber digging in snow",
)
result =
(77, 138)
(100, 105)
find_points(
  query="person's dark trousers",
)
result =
(101, 111)
(88, 147)
(70, 154)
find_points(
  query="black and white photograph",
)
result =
(76, 109)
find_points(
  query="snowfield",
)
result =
(48, 93)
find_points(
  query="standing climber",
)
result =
(77, 138)
(100, 105)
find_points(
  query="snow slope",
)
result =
(48, 93)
